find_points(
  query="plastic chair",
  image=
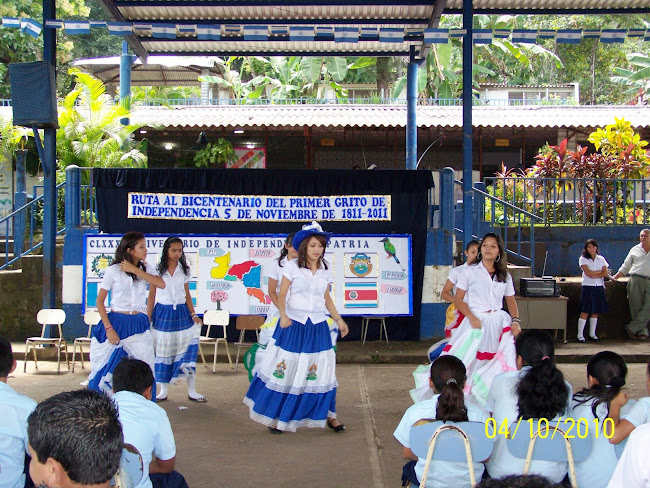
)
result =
(550, 445)
(91, 318)
(45, 317)
(130, 472)
(450, 441)
(365, 321)
(219, 318)
(244, 323)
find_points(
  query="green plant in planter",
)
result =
(215, 155)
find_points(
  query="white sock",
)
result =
(191, 389)
(592, 327)
(581, 328)
(163, 391)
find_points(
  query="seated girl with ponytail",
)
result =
(606, 373)
(449, 404)
(537, 390)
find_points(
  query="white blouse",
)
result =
(306, 296)
(275, 273)
(174, 292)
(126, 295)
(593, 265)
(484, 293)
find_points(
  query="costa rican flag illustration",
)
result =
(361, 295)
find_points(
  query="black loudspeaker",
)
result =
(33, 94)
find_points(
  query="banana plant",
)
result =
(637, 80)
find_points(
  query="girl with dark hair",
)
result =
(447, 379)
(296, 383)
(536, 391)
(638, 414)
(176, 326)
(484, 340)
(124, 331)
(592, 295)
(253, 357)
(606, 373)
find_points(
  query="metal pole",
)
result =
(447, 204)
(72, 197)
(49, 170)
(468, 17)
(411, 106)
(20, 200)
(126, 60)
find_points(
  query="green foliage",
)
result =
(215, 155)
(618, 142)
(638, 82)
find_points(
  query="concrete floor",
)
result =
(218, 445)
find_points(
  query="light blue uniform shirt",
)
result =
(146, 427)
(640, 412)
(15, 409)
(597, 469)
(441, 473)
(502, 402)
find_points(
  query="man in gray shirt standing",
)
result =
(637, 264)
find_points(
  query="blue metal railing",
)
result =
(577, 201)
(444, 102)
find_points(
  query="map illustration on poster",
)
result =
(371, 273)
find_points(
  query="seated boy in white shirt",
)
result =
(15, 409)
(145, 425)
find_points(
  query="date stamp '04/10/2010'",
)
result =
(569, 428)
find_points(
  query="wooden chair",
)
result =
(91, 318)
(555, 443)
(244, 323)
(219, 318)
(450, 441)
(45, 317)
(130, 472)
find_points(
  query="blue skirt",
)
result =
(176, 342)
(592, 300)
(295, 385)
(135, 342)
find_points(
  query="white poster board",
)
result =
(372, 273)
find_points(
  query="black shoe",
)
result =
(338, 428)
(582, 340)
(273, 430)
(595, 339)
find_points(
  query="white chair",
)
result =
(91, 318)
(129, 474)
(45, 317)
(244, 323)
(219, 318)
(365, 321)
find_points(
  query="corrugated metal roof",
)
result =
(385, 116)
(532, 5)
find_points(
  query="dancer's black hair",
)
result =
(471, 243)
(448, 375)
(285, 252)
(128, 241)
(541, 392)
(585, 253)
(500, 266)
(609, 370)
(164, 258)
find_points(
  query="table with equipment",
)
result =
(543, 313)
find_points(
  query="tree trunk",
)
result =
(383, 77)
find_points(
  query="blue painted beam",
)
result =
(49, 170)
(468, 18)
(411, 112)
(126, 61)
(553, 11)
(20, 200)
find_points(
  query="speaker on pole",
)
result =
(33, 94)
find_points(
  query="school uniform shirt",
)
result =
(598, 468)
(502, 402)
(441, 473)
(639, 414)
(593, 265)
(146, 427)
(174, 291)
(274, 272)
(15, 409)
(126, 295)
(454, 276)
(306, 296)
(484, 293)
(633, 469)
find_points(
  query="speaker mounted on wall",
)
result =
(33, 94)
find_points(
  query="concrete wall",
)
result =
(22, 297)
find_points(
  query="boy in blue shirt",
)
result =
(15, 409)
(146, 425)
